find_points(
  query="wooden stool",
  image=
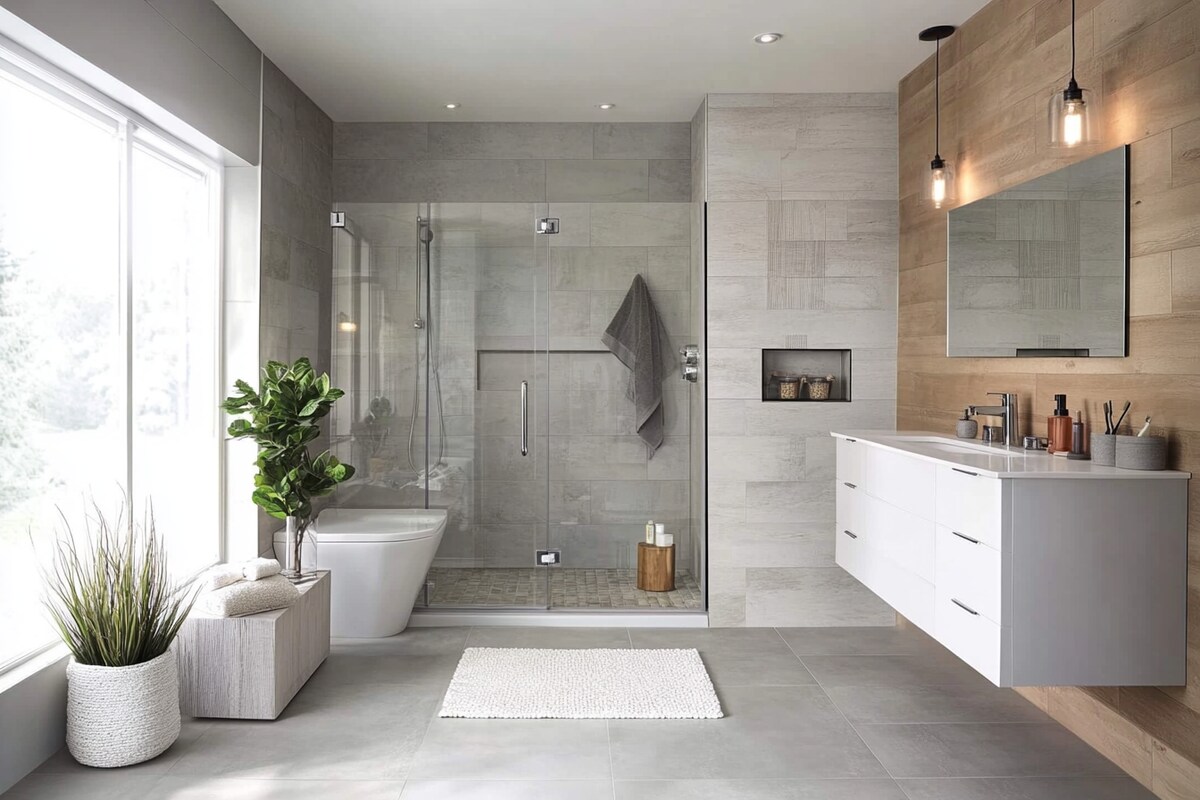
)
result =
(656, 568)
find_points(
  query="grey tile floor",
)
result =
(812, 714)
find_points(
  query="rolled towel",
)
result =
(257, 568)
(249, 597)
(218, 577)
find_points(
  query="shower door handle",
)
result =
(524, 418)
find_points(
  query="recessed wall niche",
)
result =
(799, 376)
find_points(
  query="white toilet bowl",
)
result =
(378, 559)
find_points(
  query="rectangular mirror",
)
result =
(1041, 269)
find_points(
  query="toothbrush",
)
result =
(1145, 427)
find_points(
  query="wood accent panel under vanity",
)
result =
(998, 72)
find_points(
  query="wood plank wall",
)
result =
(998, 73)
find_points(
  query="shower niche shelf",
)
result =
(806, 363)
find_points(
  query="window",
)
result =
(109, 297)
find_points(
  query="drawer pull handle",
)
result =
(852, 440)
(849, 484)
(965, 607)
(964, 536)
(966, 472)
(851, 534)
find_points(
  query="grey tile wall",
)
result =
(802, 247)
(296, 259)
(623, 194)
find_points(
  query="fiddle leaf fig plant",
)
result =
(282, 417)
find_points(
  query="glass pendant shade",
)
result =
(939, 188)
(1073, 117)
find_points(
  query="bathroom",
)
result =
(444, 206)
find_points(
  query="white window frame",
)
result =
(132, 129)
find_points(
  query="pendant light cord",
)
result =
(937, 98)
(1072, 41)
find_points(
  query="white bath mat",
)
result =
(520, 683)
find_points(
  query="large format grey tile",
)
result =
(670, 180)
(189, 736)
(932, 669)
(380, 139)
(87, 784)
(508, 790)
(643, 140)
(834, 789)
(201, 788)
(967, 750)
(448, 180)
(562, 638)
(610, 181)
(768, 732)
(514, 749)
(1026, 789)
(347, 732)
(733, 656)
(641, 224)
(366, 661)
(811, 595)
(490, 140)
(973, 703)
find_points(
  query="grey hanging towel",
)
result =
(637, 337)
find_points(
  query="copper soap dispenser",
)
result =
(1058, 427)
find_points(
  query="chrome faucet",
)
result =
(1007, 411)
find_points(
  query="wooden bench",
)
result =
(251, 667)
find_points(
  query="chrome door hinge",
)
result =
(546, 225)
(547, 558)
(337, 219)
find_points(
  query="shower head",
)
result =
(424, 232)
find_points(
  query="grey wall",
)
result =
(622, 192)
(802, 251)
(184, 56)
(296, 286)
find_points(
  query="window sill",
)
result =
(27, 669)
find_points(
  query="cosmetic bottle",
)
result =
(650, 532)
(1078, 444)
(1058, 427)
(660, 534)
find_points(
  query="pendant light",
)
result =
(939, 189)
(1073, 110)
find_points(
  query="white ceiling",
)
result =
(554, 60)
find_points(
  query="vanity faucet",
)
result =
(1007, 411)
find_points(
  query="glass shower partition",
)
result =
(441, 329)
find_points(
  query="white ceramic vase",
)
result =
(117, 716)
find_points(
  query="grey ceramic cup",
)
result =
(1104, 449)
(1141, 452)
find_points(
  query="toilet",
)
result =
(378, 559)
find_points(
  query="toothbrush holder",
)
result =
(1104, 450)
(1141, 452)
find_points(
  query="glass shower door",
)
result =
(486, 375)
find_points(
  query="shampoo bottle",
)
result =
(1058, 427)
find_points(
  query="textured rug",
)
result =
(521, 683)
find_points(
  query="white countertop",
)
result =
(995, 460)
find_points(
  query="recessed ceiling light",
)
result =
(606, 106)
(451, 106)
(768, 38)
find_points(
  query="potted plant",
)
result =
(111, 597)
(282, 418)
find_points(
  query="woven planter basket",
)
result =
(117, 716)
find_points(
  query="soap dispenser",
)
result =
(966, 428)
(1058, 427)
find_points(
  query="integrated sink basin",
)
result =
(960, 447)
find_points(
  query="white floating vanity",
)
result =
(1035, 570)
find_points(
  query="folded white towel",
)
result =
(257, 568)
(218, 577)
(249, 597)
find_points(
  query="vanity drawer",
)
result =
(969, 571)
(851, 553)
(970, 504)
(904, 538)
(851, 458)
(849, 509)
(906, 482)
(971, 636)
